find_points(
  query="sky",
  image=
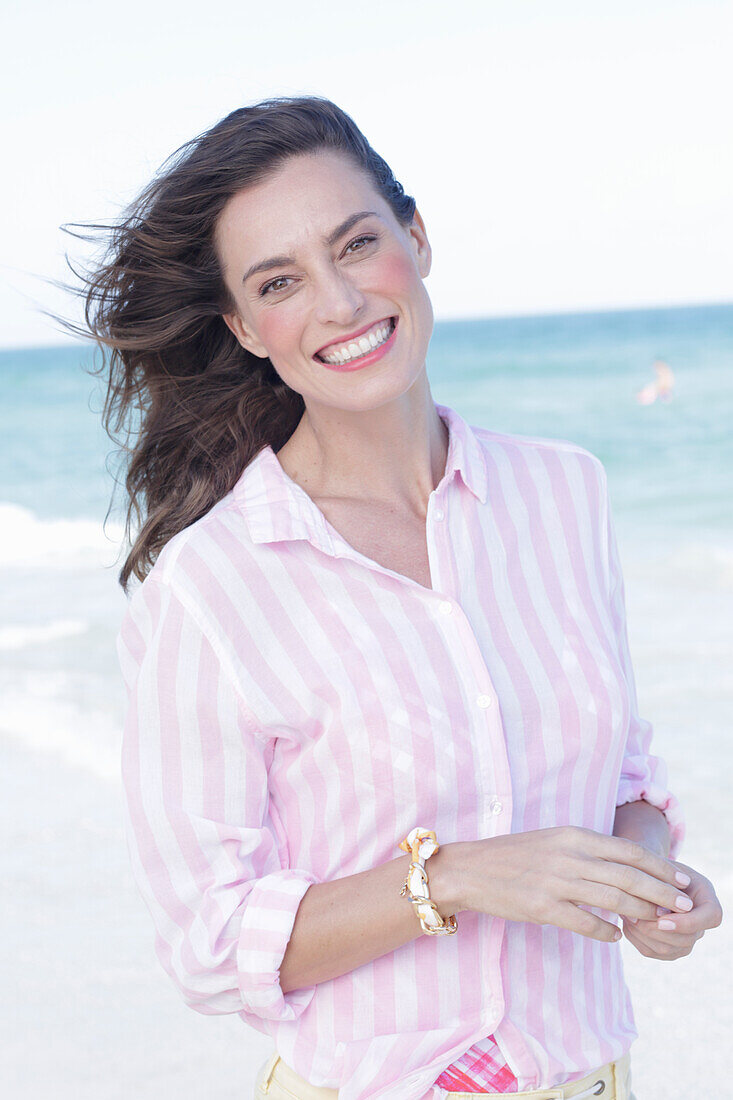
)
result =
(564, 156)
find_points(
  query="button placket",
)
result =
(493, 762)
(495, 769)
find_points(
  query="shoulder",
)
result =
(493, 441)
(218, 534)
(556, 478)
(192, 567)
(539, 452)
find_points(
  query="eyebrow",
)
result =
(333, 236)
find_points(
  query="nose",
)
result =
(337, 298)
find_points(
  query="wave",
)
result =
(25, 634)
(40, 713)
(29, 541)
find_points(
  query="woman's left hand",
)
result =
(667, 943)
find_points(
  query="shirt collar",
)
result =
(277, 509)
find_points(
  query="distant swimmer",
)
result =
(661, 387)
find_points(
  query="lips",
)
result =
(336, 345)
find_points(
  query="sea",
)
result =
(567, 376)
(81, 965)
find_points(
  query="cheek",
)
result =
(394, 273)
(277, 330)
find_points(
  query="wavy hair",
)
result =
(192, 405)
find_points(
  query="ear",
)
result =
(250, 343)
(421, 244)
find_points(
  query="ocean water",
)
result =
(669, 464)
(81, 967)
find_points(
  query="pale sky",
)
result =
(564, 155)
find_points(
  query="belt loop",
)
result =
(621, 1068)
(617, 1093)
(264, 1085)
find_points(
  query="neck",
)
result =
(395, 454)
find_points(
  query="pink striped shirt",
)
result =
(296, 708)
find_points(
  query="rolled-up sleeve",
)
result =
(204, 850)
(643, 775)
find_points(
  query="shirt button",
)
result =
(439, 513)
(495, 806)
(445, 608)
(483, 701)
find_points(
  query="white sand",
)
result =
(91, 1014)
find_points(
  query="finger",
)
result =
(601, 895)
(650, 934)
(701, 890)
(617, 849)
(656, 949)
(707, 915)
(588, 924)
(649, 927)
(633, 882)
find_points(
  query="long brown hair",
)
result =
(193, 406)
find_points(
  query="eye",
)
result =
(265, 289)
(357, 240)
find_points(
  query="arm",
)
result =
(643, 779)
(350, 921)
(644, 823)
(671, 935)
(537, 876)
(204, 852)
(238, 930)
(646, 811)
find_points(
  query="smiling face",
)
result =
(327, 283)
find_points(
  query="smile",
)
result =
(375, 337)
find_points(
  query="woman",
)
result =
(362, 621)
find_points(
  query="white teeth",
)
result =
(365, 343)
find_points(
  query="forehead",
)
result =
(307, 195)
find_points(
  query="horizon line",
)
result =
(468, 318)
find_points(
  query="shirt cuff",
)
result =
(266, 929)
(636, 790)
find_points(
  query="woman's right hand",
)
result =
(545, 875)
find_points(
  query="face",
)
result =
(340, 270)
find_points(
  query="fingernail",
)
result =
(617, 934)
(666, 925)
(683, 902)
(633, 919)
(661, 910)
(682, 878)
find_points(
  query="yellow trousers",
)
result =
(277, 1081)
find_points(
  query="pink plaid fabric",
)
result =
(481, 1069)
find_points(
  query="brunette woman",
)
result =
(365, 623)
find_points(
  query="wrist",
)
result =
(445, 873)
(645, 824)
